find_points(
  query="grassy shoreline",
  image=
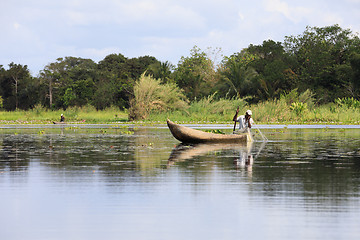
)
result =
(265, 113)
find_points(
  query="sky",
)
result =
(37, 32)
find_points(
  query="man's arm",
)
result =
(248, 120)
(236, 114)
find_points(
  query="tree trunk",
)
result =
(16, 80)
(50, 92)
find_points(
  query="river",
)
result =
(138, 182)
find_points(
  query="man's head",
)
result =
(248, 113)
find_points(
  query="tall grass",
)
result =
(86, 114)
(277, 111)
(150, 95)
(206, 110)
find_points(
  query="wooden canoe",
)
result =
(189, 135)
(59, 122)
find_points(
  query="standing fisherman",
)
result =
(245, 121)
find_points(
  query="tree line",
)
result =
(322, 60)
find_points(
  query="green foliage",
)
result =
(85, 114)
(320, 54)
(293, 96)
(150, 95)
(272, 111)
(18, 89)
(290, 97)
(38, 109)
(275, 69)
(238, 74)
(69, 97)
(196, 74)
(216, 131)
(298, 107)
(207, 109)
(348, 103)
(161, 70)
(307, 97)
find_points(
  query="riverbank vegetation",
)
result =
(310, 78)
(291, 108)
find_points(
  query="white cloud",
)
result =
(39, 31)
(294, 14)
(16, 26)
(241, 16)
(151, 13)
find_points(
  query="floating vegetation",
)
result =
(216, 131)
(40, 132)
(127, 132)
(72, 128)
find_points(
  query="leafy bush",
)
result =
(298, 107)
(290, 97)
(150, 95)
(348, 102)
(307, 97)
(293, 96)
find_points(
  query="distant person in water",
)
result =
(244, 121)
(62, 118)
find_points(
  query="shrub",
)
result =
(150, 95)
(272, 111)
(348, 102)
(298, 107)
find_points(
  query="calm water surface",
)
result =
(140, 183)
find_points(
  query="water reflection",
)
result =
(183, 152)
(134, 183)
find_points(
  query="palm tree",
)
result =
(161, 70)
(238, 75)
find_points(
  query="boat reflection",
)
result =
(183, 152)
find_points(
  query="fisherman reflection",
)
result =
(245, 160)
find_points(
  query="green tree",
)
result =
(2, 77)
(50, 81)
(238, 74)
(117, 76)
(319, 53)
(19, 89)
(275, 69)
(114, 86)
(17, 73)
(355, 69)
(70, 75)
(135, 67)
(161, 70)
(196, 74)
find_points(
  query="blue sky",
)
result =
(37, 32)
